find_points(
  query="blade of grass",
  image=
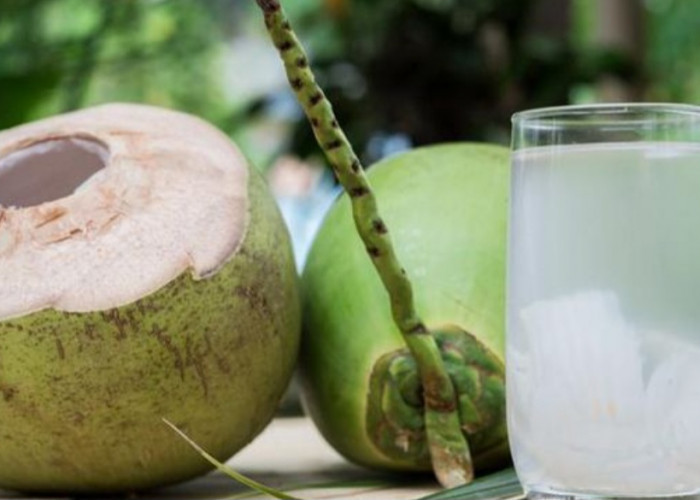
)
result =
(499, 485)
(236, 476)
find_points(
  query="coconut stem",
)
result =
(449, 450)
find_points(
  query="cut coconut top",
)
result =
(101, 207)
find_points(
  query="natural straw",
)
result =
(449, 450)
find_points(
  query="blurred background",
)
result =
(401, 73)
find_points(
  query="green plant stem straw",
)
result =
(449, 450)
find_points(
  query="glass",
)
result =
(603, 301)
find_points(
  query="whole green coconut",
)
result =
(446, 207)
(145, 273)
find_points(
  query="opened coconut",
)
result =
(145, 273)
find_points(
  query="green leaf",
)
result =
(499, 485)
(236, 476)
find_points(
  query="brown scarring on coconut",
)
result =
(145, 273)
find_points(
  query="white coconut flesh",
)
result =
(102, 207)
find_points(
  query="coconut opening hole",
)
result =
(49, 170)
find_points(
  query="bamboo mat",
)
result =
(291, 452)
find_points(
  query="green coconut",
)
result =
(145, 274)
(446, 206)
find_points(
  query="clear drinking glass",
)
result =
(603, 301)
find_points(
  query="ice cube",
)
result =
(673, 406)
(583, 407)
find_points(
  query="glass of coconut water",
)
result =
(603, 305)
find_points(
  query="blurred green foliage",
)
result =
(673, 59)
(59, 55)
(447, 70)
(420, 70)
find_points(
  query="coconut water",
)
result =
(603, 326)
